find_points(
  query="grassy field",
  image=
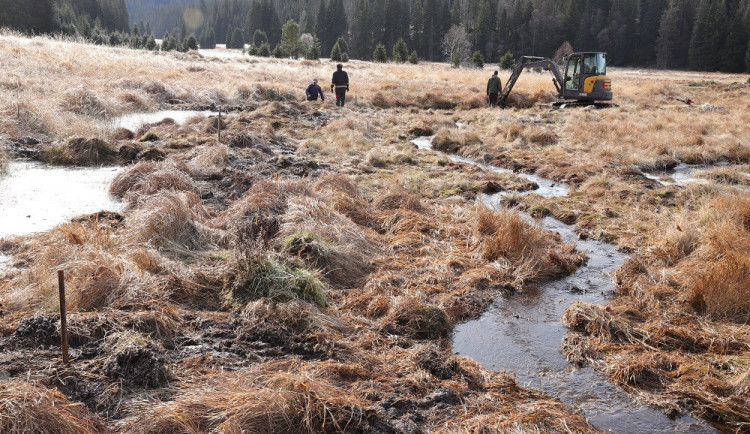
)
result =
(309, 268)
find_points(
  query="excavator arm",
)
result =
(532, 62)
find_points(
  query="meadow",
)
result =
(304, 273)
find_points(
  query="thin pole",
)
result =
(63, 316)
(218, 129)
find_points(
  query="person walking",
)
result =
(493, 88)
(313, 90)
(340, 84)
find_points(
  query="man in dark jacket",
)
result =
(493, 88)
(340, 83)
(313, 90)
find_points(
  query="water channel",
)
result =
(522, 333)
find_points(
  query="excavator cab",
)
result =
(582, 78)
(585, 77)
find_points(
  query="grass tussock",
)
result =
(452, 140)
(526, 249)
(80, 152)
(259, 276)
(170, 221)
(147, 178)
(26, 406)
(418, 320)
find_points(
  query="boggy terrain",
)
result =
(304, 273)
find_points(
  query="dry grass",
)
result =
(525, 250)
(29, 407)
(353, 272)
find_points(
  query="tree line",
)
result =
(63, 16)
(695, 34)
(710, 35)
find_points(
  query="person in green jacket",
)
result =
(493, 88)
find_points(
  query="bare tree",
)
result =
(456, 45)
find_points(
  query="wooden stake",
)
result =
(63, 316)
(218, 129)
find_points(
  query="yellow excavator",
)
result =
(585, 80)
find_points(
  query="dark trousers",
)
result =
(493, 99)
(340, 96)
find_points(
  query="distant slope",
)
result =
(161, 15)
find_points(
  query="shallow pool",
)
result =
(35, 197)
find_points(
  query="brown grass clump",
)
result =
(80, 152)
(83, 101)
(147, 178)
(265, 399)
(418, 320)
(27, 407)
(505, 237)
(398, 200)
(452, 140)
(168, 220)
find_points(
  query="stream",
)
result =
(522, 333)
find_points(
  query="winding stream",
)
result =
(522, 333)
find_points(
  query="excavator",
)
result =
(585, 80)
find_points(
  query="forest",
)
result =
(703, 35)
(65, 16)
(681, 34)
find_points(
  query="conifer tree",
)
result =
(507, 61)
(314, 52)
(290, 43)
(259, 38)
(709, 35)
(400, 52)
(379, 55)
(747, 58)
(264, 50)
(151, 44)
(336, 53)
(277, 52)
(413, 58)
(237, 41)
(477, 59)
(191, 43)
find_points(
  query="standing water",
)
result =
(35, 197)
(136, 120)
(522, 333)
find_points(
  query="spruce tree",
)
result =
(400, 52)
(708, 37)
(259, 38)
(507, 61)
(314, 52)
(336, 53)
(237, 41)
(290, 43)
(210, 38)
(277, 52)
(734, 47)
(413, 58)
(264, 50)
(191, 43)
(151, 44)
(343, 46)
(379, 55)
(477, 59)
